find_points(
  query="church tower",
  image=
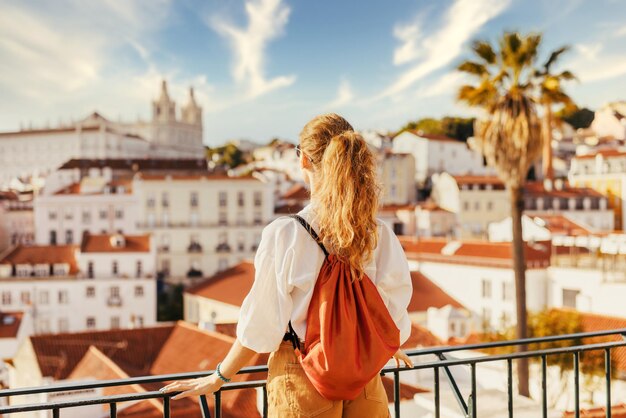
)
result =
(164, 109)
(192, 113)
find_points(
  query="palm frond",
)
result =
(484, 50)
(554, 56)
(473, 68)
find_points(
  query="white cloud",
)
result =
(593, 63)
(444, 85)
(461, 21)
(266, 21)
(344, 96)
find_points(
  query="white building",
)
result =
(39, 151)
(202, 223)
(16, 219)
(438, 153)
(610, 121)
(280, 156)
(480, 276)
(396, 174)
(107, 282)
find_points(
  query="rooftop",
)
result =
(115, 243)
(139, 164)
(229, 286)
(427, 294)
(42, 254)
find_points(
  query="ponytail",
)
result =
(347, 193)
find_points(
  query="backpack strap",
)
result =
(311, 232)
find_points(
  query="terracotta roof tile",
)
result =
(537, 189)
(562, 225)
(139, 164)
(105, 244)
(407, 392)
(427, 294)
(229, 286)
(58, 354)
(617, 411)
(473, 252)
(297, 192)
(10, 323)
(43, 254)
(469, 180)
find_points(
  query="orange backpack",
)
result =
(350, 334)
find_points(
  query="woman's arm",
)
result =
(238, 356)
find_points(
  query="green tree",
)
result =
(551, 92)
(509, 138)
(426, 125)
(228, 155)
(458, 128)
(578, 118)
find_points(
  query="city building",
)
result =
(396, 175)
(479, 275)
(424, 219)
(36, 152)
(438, 153)
(202, 223)
(108, 281)
(610, 121)
(16, 219)
(605, 172)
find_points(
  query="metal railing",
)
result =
(467, 405)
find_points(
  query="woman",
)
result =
(340, 171)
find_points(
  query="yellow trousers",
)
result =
(290, 394)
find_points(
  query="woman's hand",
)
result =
(401, 356)
(191, 387)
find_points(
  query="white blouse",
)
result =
(287, 263)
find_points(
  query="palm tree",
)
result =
(509, 137)
(550, 92)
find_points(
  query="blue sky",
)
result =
(262, 68)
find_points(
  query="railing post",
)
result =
(437, 400)
(509, 384)
(166, 407)
(113, 410)
(471, 406)
(577, 384)
(607, 372)
(396, 393)
(204, 407)
(544, 389)
(265, 401)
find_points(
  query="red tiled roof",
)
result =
(421, 337)
(617, 411)
(297, 192)
(591, 322)
(480, 180)
(75, 188)
(427, 294)
(394, 207)
(473, 252)
(43, 254)
(561, 225)
(104, 244)
(58, 354)
(605, 153)
(288, 209)
(181, 177)
(229, 286)
(538, 189)
(10, 323)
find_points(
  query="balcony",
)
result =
(114, 301)
(222, 248)
(437, 360)
(194, 247)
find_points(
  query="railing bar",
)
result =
(607, 369)
(544, 389)
(265, 401)
(56, 413)
(259, 369)
(204, 407)
(577, 384)
(454, 386)
(473, 395)
(396, 393)
(509, 384)
(166, 407)
(218, 404)
(112, 410)
(437, 400)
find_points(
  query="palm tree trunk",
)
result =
(519, 267)
(548, 169)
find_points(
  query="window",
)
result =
(52, 215)
(25, 298)
(64, 325)
(466, 206)
(69, 215)
(53, 237)
(569, 298)
(222, 220)
(240, 199)
(241, 242)
(43, 297)
(6, 298)
(90, 270)
(257, 218)
(91, 322)
(258, 199)
(115, 291)
(139, 320)
(63, 299)
(114, 268)
(115, 322)
(193, 200)
(222, 199)
(138, 291)
(490, 205)
(102, 213)
(151, 201)
(119, 213)
(486, 290)
(507, 291)
(86, 216)
(69, 236)
(90, 291)
(165, 200)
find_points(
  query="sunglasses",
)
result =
(298, 151)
